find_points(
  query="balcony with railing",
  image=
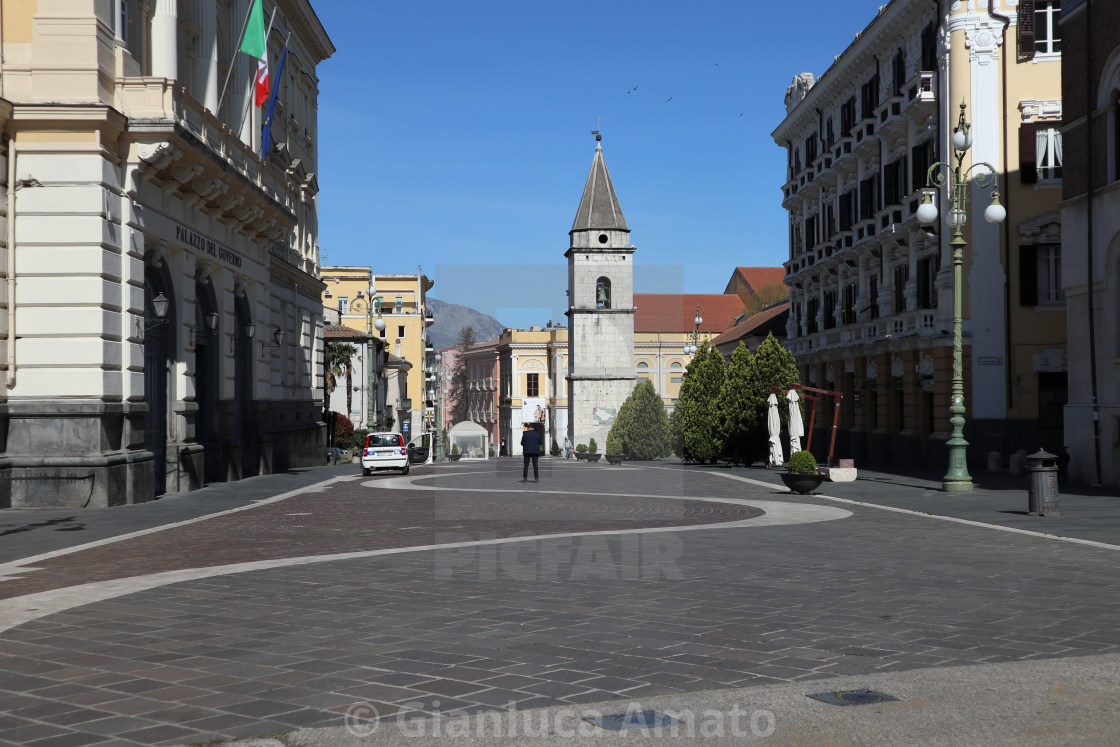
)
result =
(889, 114)
(917, 323)
(921, 98)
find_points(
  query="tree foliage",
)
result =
(738, 415)
(743, 402)
(457, 393)
(340, 364)
(698, 405)
(641, 429)
(343, 431)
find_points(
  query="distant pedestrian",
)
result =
(531, 450)
(567, 448)
(503, 451)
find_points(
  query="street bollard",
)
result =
(1042, 493)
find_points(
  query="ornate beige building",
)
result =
(161, 308)
(871, 290)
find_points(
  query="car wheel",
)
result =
(404, 469)
(365, 471)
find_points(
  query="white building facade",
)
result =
(871, 289)
(162, 309)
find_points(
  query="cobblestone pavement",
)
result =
(532, 623)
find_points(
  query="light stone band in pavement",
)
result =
(275, 650)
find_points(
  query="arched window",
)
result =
(676, 364)
(602, 293)
(643, 364)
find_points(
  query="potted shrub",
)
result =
(614, 448)
(455, 455)
(593, 451)
(801, 475)
(581, 451)
(555, 450)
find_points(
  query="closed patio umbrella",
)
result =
(774, 426)
(796, 424)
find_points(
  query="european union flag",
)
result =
(266, 133)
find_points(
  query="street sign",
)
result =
(406, 426)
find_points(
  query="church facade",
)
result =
(600, 308)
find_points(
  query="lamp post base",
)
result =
(956, 486)
(957, 479)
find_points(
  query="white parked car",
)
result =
(384, 451)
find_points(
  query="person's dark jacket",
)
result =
(530, 442)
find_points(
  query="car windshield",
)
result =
(387, 439)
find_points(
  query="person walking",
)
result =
(531, 450)
(567, 448)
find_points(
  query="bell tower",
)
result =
(600, 308)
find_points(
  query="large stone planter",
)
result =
(455, 457)
(801, 483)
(593, 457)
(614, 458)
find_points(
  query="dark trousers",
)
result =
(525, 469)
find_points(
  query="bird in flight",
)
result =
(668, 99)
(631, 90)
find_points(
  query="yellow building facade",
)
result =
(399, 301)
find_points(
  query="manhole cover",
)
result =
(631, 720)
(853, 697)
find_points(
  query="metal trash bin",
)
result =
(1042, 492)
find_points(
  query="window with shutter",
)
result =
(1047, 34)
(1025, 27)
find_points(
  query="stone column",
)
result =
(165, 39)
(206, 63)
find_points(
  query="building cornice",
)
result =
(848, 67)
(302, 16)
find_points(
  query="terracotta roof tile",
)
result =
(751, 324)
(760, 277)
(674, 312)
(339, 331)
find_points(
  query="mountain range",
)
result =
(450, 318)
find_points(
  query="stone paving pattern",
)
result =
(271, 651)
(358, 519)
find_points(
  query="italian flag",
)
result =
(253, 44)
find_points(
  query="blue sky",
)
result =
(456, 136)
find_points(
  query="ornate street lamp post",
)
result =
(693, 343)
(957, 479)
(371, 307)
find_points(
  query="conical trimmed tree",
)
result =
(641, 429)
(738, 413)
(699, 405)
(771, 366)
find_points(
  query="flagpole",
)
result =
(233, 57)
(245, 111)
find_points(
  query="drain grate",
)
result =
(853, 697)
(631, 720)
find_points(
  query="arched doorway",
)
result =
(243, 388)
(206, 379)
(157, 344)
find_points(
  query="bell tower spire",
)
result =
(600, 307)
